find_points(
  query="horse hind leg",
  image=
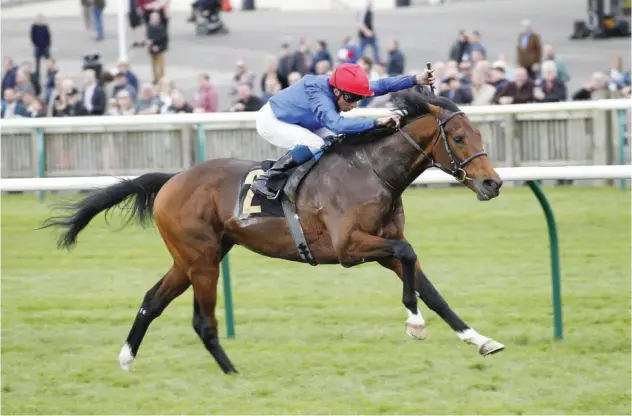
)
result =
(172, 285)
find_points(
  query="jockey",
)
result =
(301, 116)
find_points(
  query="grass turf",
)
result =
(327, 339)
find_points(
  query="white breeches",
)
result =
(286, 135)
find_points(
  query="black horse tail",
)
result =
(138, 194)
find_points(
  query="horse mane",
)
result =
(410, 104)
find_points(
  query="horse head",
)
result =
(446, 139)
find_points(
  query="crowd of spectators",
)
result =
(468, 76)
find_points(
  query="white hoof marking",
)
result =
(416, 326)
(491, 347)
(126, 358)
(486, 346)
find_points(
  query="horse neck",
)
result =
(395, 159)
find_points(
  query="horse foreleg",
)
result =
(172, 285)
(361, 247)
(433, 299)
(204, 277)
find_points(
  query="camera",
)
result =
(93, 61)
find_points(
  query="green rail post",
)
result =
(555, 259)
(228, 294)
(621, 116)
(41, 158)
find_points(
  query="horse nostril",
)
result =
(493, 183)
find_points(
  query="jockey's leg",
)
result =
(303, 145)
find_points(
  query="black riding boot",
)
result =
(260, 185)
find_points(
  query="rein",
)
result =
(457, 167)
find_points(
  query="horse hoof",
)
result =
(126, 358)
(491, 347)
(417, 332)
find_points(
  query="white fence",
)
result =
(432, 176)
(549, 134)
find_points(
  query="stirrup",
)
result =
(263, 190)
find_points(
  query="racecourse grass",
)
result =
(327, 339)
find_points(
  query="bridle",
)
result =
(457, 171)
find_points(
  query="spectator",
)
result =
(367, 31)
(34, 106)
(396, 60)
(465, 69)
(302, 58)
(518, 91)
(55, 93)
(529, 49)
(551, 55)
(348, 52)
(147, 102)
(23, 84)
(379, 68)
(456, 92)
(272, 86)
(550, 88)
(596, 87)
(474, 45)
(146, 7)
(482, 92)
(497, 77)
(10, 72)
(51, 72)
(164, 87)
(74, 107)
(135, 17)
(120, 83)
(206, 99)
(178, 104)
(367, 64)
(476, 57)
(484, 68)
(322, 68)
(93, 99)
(33, 79)
(11, 106)
(124, 67)
(41, 40)
(86, 15)
(293, 77)
(509, 70)
(272, 71)
(459, 47)
(242, 76)
(322, 54)
(61, 101)
(245, 100)
(158, 43)
(286, 60)
(97, 15)
(617, 74)
(123, 104)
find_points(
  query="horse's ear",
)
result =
(436, 111)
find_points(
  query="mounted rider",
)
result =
(303, 116)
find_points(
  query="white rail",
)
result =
(429, 177)
(248, 117)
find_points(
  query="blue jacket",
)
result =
(310, 103)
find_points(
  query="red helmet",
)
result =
(351, 78)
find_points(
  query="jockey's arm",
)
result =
(325, 111)
(392, 84)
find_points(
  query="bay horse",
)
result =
(349, 206)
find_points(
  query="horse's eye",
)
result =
(458, 139)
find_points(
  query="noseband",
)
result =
(457, 171)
